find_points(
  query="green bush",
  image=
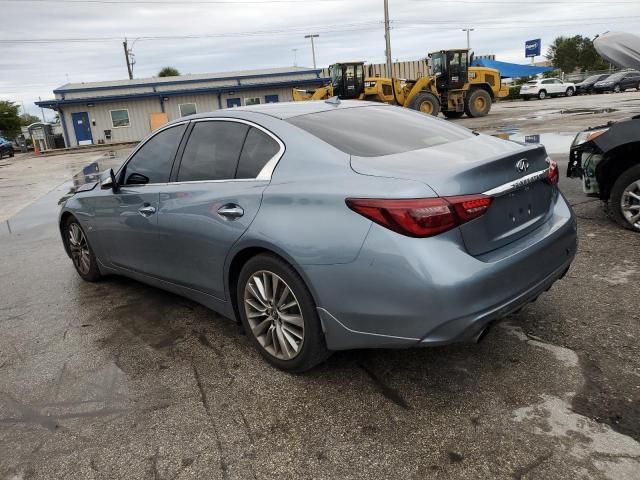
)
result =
(514, 92)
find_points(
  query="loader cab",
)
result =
(451, 69)
(347, 79)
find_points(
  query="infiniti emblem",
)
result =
(522, 165)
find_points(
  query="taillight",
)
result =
(421, 217)
(553, 177)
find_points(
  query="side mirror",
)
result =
(137, 179)
(110, 182)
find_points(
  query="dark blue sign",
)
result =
(532, 48)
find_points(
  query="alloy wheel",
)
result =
(630, 204)
(274, 315)
(79, 249)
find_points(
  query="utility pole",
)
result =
(468, 30)
(313, 50)
(387, 38)
(295, 56)
(127, 54)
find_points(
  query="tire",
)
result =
(0, 154)
(453, 114)
(629, 180)
(11, 153)
(259, 311)
(426, 102)
(569, 92)
(542, 94)
(616, 89)
(73, 230)
(477, 103)
(638, 88)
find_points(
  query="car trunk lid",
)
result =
(509, 172)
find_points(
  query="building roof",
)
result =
(199, 77)
(192, 84)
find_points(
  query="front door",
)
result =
(82, 128)
(212, 202)
(127, 220)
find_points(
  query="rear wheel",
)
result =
(453, 114)
(279, 314)
(426, 102)
(617, 89)
(569, 92)
(80, 251)
(477, 103)
(625, 199)
(542, 94)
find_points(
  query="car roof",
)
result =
(286, 110)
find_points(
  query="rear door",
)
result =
(214, 196)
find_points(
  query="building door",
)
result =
(233, 102)
(271, 99)
(82, 127)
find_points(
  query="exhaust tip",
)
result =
(483, 333)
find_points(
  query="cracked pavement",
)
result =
(120, 380)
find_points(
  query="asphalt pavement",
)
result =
(120, 380)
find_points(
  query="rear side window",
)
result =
(377, 131)
(155, 158)
(258, 149)
(212, 151)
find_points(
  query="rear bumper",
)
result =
(404, 292)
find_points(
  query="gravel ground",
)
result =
(120, 380)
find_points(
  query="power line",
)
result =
(172, 3)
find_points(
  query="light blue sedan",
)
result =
(325, 226)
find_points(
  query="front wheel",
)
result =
(625, 199)
(617, 89)
(569, 92)
(477, 103)
(542, 95)
(426, 102)
(279, 314)
(80, 251)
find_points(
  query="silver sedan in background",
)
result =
(325, 226)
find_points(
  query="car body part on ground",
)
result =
(546, 87)
(331, 226)
(453, 87)
(619, 48)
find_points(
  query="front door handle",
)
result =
(231, 211)
(147, 210)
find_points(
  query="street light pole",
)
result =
(468, 30)
(387, 39)
(313, 50)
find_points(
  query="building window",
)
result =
(187, 109)
(120, 118)
(252, 101)
(271, 99)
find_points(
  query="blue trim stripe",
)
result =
(237, 79)
(171, 93)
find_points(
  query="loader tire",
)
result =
(477, 103)
(426, 102)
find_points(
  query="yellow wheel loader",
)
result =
(452, 88)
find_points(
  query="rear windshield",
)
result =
(378, 131)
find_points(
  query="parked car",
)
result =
(546, 87)
(333, 225)
(586, 85)
(6, 148)
(619, 82)
(607, 158)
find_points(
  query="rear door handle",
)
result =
(231, 211)
(147, 210)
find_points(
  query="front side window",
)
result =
(187, 109)
(336, 76)
(258, 149)
(153, 162)
(120, 118)
(212, 151)
(252, 101)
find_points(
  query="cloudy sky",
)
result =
(47, 43)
